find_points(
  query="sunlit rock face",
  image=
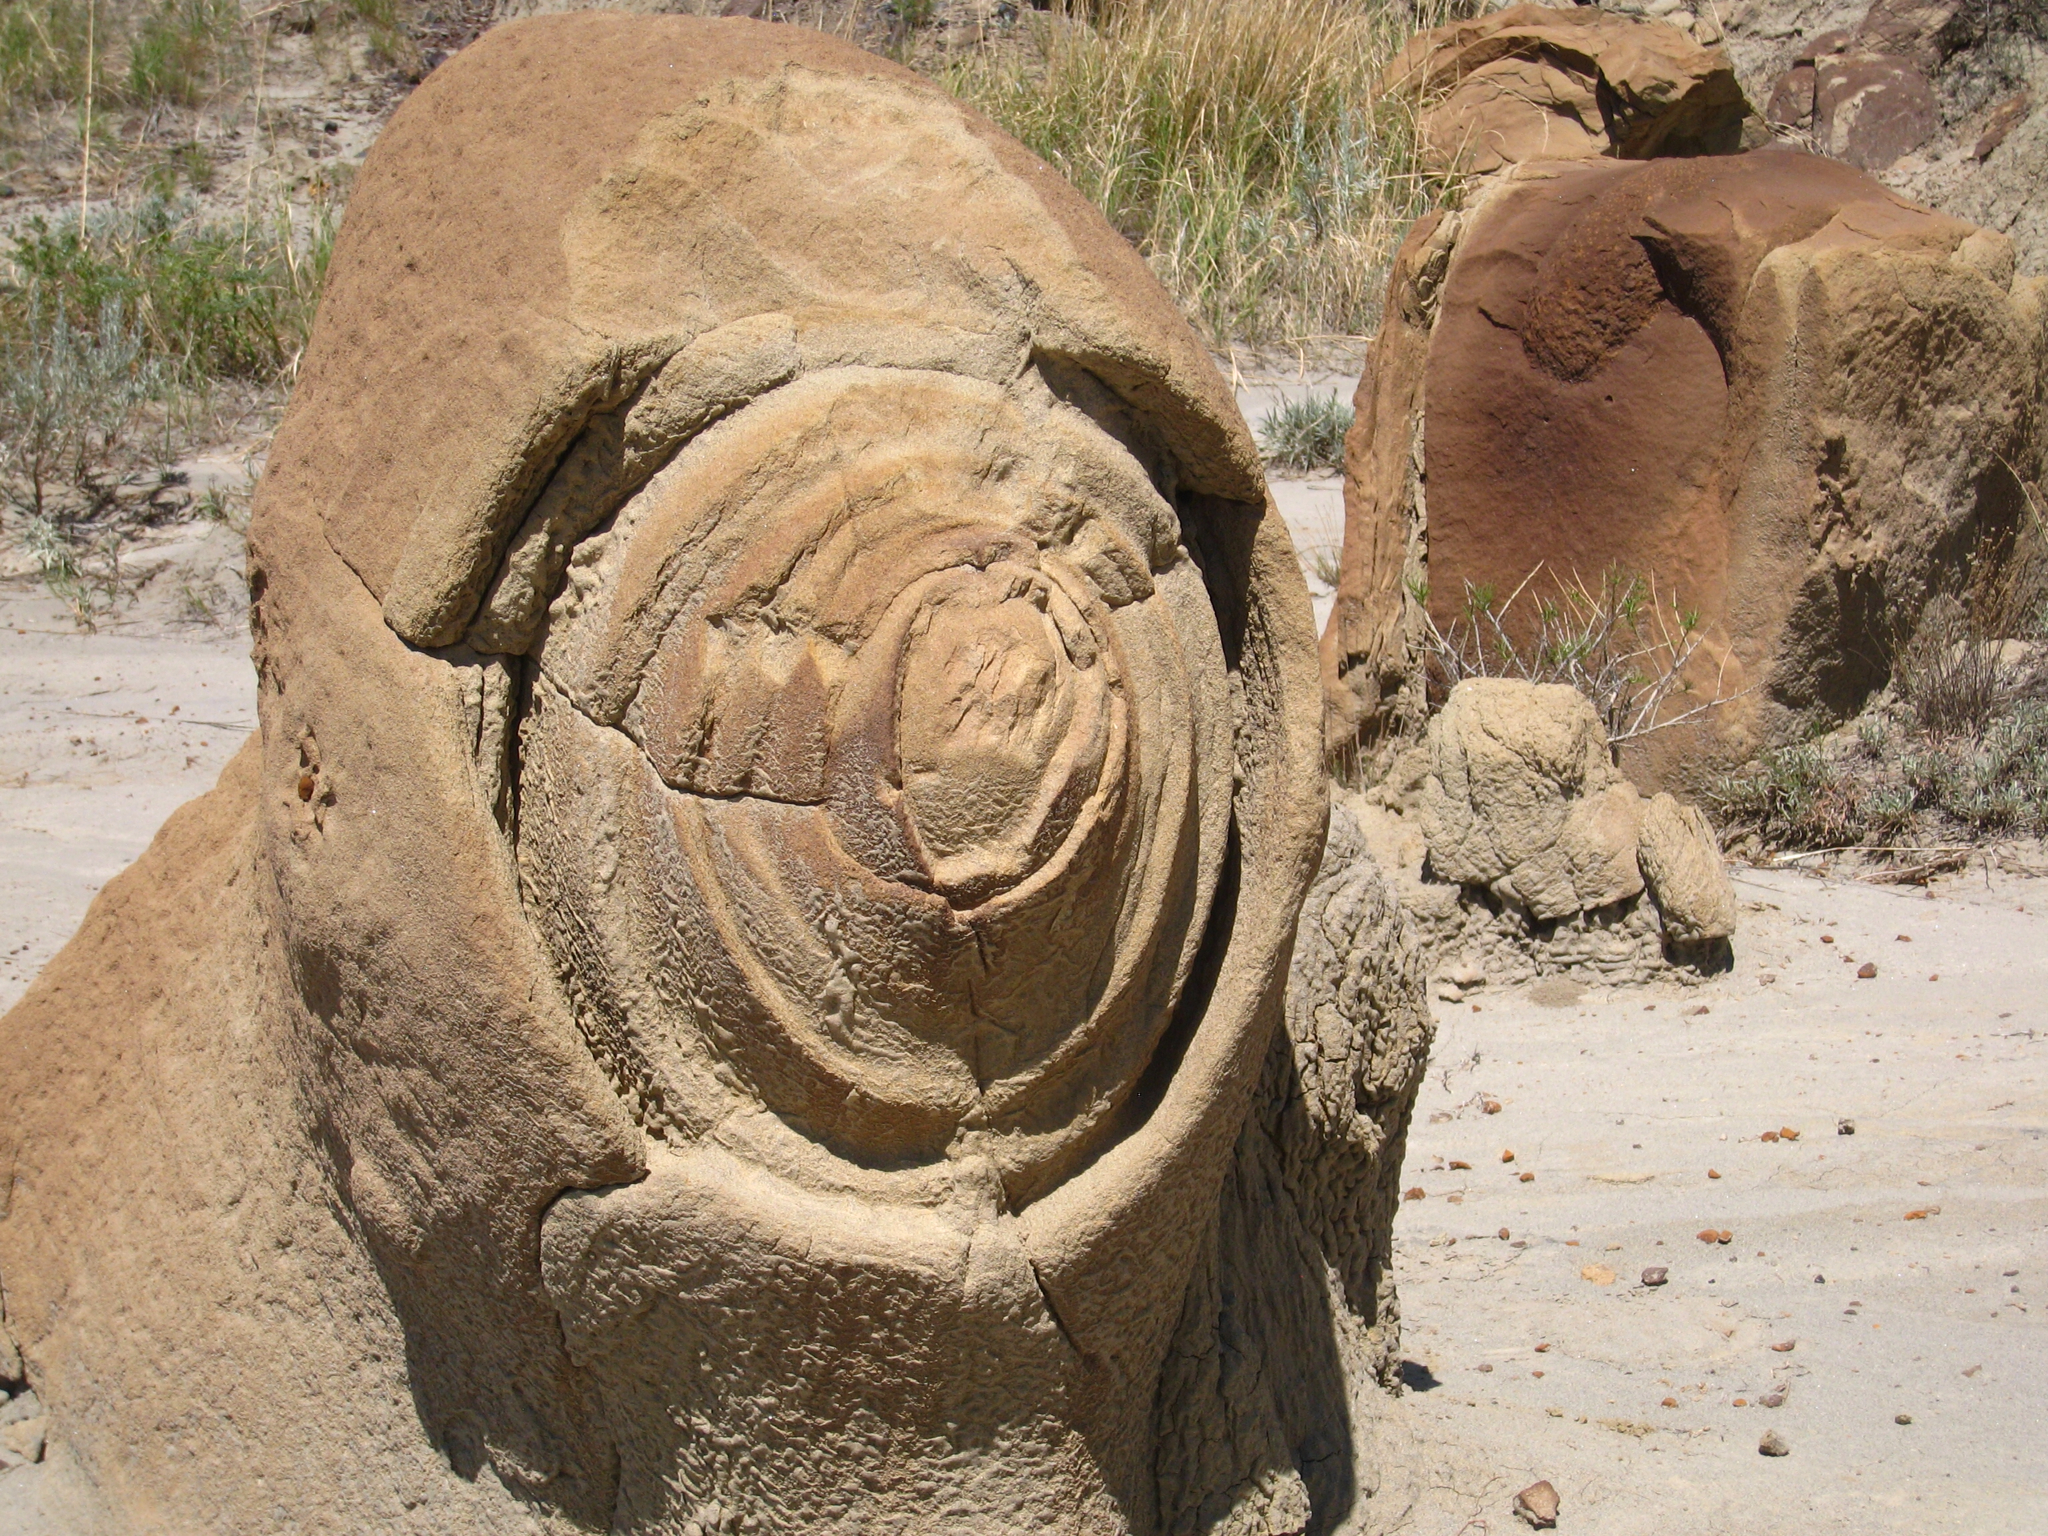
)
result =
(745, 984)
(888, 746)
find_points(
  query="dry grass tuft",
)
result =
(1239, 144)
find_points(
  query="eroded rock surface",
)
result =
(1516, 849)
(1797, 402)
(1523, 798)
(1534, 82)
(744, 983)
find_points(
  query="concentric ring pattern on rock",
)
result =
(895, 714)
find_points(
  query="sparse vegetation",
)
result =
(1890, 789)
(1241, 145)
(1624, 645)
(1306, 435)
(1956, 751)
(210, 299)
(69, 398)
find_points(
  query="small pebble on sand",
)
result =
(1536, 1506)
(1773, 1444)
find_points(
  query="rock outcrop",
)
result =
(1798, 402)
(1523, 798)
(743, 984)
(1956, 94)
(1682, 866)
(1533, 82)
(1517, 849)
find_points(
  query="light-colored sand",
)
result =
(1620, 1104)
(103, 735)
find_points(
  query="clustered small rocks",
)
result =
(1521, 851)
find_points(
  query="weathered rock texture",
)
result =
(1798, 402)
(1523, 798)
(1966, 84)
(1532, 82)
(1517, 849)
(742, 984)
(1857, 103)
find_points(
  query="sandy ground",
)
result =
(1644, 1406)
(103, 735)
(1619, 1103)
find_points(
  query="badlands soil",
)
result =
(1523, 1360)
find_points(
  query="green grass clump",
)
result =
(1306, 435)
(165, 53)
(179, 49)
(1241, 145)
(1896, 788)
(211, 300)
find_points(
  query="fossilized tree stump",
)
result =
(742, 986)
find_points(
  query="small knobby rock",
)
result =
(1866, 970)
(1507, 1156)
(1536, 1506)
(1774, 1400)
(25, 1437)
(1457, 1163)
(1845, 1127)
(1784, 1346)
(1773, 1444)
(1417, 1193)
(1491, 1106)
(1656, 1274)
(1527, 1178)
(1902, 1418)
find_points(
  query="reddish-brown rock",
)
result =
(1531, 82)
(1869, 109)
(1785, 393)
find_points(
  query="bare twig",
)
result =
(1619, 644)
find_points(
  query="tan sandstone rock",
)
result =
(1523, 798)
(1683, 868)
(744, 982)
(1533, 82)
(1798, 402)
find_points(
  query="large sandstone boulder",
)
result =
(1532, 82)
(1795, 400)
(742, 985)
